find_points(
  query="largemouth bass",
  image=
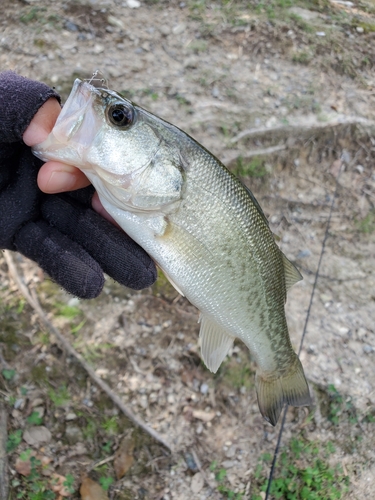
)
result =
(199, 223)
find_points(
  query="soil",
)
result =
(284, 94)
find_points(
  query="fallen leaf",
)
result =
(90, 490)
(23, 466)
(205, 416)
(58, 485)
(124, 457)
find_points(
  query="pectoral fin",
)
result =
(173, 283)
(215, 343)
(292, 275)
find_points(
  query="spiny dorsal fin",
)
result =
(292, 275)
(215, 343)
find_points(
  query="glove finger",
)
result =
(118, 255)
(61, 258)
(19, 201)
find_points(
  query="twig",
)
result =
(34, 303)
(4, 479)
(306, 125)
(230, 158)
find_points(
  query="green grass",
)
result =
(60, 397)
(35, 486)
(367, 224)
(222, 483)
(255, 168)
(302, 473)
(302, 57)
(13, 441)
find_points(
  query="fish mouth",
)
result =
(69, 140)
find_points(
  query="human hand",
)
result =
(56, 177)
(59, 231)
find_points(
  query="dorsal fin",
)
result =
(292, 275)
(215, 343)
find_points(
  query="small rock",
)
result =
(70, 416)
(37, 435)
(179, 29)
(171, 399)
(190, 462)
(39, 410)
(165, 30)
(368, 349)
(73, 434)
(19, 404)
(204, 388)
(230, 453)
(304, 253)
(116, 22)
(98, 49)
(133, 4)
(191, 62)
(325, 297)
(205, 416)
(37, 402)
(227, 464)
(71, 26)
(305, 14)
(197, 483)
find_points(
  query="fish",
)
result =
(202, 226)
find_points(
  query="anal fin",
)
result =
(215, 343)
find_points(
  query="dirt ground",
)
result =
(284, 94)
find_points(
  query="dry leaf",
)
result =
(90, 490)
(124, 457)
(57, 485)
(23, 466)
(205, 416)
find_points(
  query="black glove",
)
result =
(69, 240)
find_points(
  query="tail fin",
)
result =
(290, 388)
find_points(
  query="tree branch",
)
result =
(34, 303)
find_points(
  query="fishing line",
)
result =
(277, 449)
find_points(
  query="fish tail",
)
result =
(274, 392)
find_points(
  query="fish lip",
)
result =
(67, 127)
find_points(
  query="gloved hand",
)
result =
(71, 242)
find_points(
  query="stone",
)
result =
(305, 14)
(73, 434)
(34, 436)
(197, 483)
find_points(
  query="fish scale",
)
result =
(200, 224)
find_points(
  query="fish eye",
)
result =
(120, 115)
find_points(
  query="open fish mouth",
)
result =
(75, 128)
